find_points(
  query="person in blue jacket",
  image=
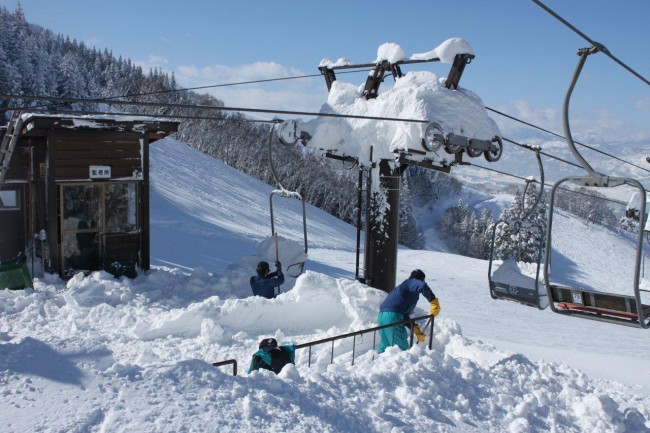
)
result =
(398, 306)
(265, 282)
(272, 357)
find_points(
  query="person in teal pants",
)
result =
(398, 306)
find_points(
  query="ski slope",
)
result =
(592, 257)
(98, 354)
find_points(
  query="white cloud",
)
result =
(307, 94)
(152, 62)
(90, 41)
(217, 74)
(164, 39)
(643, 104)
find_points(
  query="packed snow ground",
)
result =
(98, 354)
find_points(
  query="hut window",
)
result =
(121, 205)
(81, 207)
(8, 200)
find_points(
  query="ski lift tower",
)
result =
(382, 200)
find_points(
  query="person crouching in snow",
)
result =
(397, 307)
(265, 282)
(271, 357)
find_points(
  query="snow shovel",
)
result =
(427, 324)
(276, 257)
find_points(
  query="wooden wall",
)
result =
(75, 151)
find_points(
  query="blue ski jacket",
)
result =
(403, 298)
(265, 286)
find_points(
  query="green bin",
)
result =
(15, 276)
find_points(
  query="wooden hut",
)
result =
(76, 193)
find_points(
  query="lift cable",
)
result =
(152, 116)
(564, 138)
(186, 117)
(592, 42)
(237, 83)
(255, 110)
(542, 153)
(164, 116)
(211, 86)
(210, 108)
(545, 183)
(299, 113)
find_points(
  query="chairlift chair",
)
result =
(632, 211)
(579, 301)
(294, 269)
(508, 282)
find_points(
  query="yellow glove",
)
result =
(435, 307)
(418, 333)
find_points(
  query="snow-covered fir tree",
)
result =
(409, 234)
(520, 231)
(465, 230)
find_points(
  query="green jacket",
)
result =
(274, 359)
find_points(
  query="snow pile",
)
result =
(418, 95)
(115, 355)
(325, 62)
(634, 205)
(520, 274)
(389, 52)
(446, 51)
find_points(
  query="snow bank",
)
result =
(113, 355)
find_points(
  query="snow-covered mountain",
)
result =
(98, 354)
(522, 162)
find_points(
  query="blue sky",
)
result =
(524, 57)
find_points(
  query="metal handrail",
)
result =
(429, 324)
(429, 318)
(226, 362)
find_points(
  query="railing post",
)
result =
(226, 362)
(374, 343)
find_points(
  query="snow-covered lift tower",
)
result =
(408, 124)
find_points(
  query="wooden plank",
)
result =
(19, 165)
(145, 207)
(98, 137)
(121, 246)
(606, 302)
(91, 155)
(105, 146)
(610, 302)
(598, 311)
(52, 205)
(100, 124)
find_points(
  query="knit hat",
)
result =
(262, 268)
(417, 274)
(268, 344)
